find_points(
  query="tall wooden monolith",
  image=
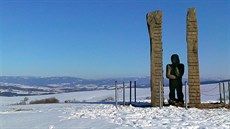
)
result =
(192, 55)
(154, 22)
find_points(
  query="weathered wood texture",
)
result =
(154, 22)
(192, 55)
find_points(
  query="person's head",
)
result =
(175, 59)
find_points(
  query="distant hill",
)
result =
(26, 85)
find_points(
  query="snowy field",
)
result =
(89, 111)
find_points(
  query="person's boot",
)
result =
(172, 102)
(180, 103)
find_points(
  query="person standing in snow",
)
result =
(174, 73)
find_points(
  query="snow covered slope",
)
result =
(90, 111)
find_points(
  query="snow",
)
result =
(90, 112)
(168, 117)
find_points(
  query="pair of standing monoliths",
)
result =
(175, 70)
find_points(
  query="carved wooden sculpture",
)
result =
(154, 22)
(193, 63)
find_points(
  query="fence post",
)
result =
(224, 94)
(123, 93)
(220, 92)
(185, 88)
(135, 90)
(229, 92)
(116, 94)
(130, 92)
(160, 95)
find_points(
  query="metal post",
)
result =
(185, 92)
(116, 94)
(124, 93)
(220, 92)
(160, 94)
(130, 92)
(224, 94)
(135, 90)
(228, 92)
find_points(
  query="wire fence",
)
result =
(220, 92)
(125, 93)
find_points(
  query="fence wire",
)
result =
(218, 91)
(210, 90)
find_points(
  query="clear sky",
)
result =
(107, 38)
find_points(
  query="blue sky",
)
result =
(107, 38)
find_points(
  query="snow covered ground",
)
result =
(91, 112)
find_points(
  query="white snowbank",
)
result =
(167, 117)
